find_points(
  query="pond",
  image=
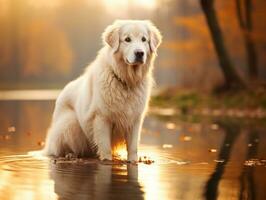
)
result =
(194, 158)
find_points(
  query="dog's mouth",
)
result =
(135, 63)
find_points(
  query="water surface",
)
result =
(195, 158)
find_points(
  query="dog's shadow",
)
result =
(95, 181)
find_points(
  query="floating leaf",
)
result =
(214, 127)
(187, 138)
(41, 143)
(167, 146)
(11, 129)
(170, 126)
(6, 137)
(213, 150)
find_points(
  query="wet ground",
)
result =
(195, 158)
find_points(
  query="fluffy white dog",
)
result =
(109, 100)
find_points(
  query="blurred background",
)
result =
(46, 43)
(212, 55)
(207, 121)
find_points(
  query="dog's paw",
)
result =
(106, 162)
(133, 158)
(106, 156)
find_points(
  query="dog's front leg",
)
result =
(102, 137)
(132, 141)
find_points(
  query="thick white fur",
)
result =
(110, 99)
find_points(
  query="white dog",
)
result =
(110, 98)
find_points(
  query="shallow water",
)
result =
(195, 158)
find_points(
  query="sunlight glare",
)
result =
(4, 7)
(37, 155)
(45, 3)
(120, 151)
(149, 178)
(149, 4)
(123, 5)
(150, 175)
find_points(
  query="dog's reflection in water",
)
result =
(96, 181)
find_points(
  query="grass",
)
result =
(189, 100)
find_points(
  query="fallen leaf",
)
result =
(41, 143)
(170, 125)
(11, 129)
(219, 161)
(212, 150)
(214, 127)
(255, 162)
(6, 137)
(203, 163)
(167, 146)
(187, 138)
(146, 160)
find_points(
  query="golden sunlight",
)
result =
(114, 5)
(149, 178)
(4, 7)
(149, 4)
(37, 155)
(120, 152)
(45, 3)
(150, 175)
(17, 170)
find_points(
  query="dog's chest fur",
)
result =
(123, 104)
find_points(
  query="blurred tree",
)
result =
(83, 22)
(232, 130)
(16, 8)
(247, 178)
(47, 52)
(244, 15)
(232, 79)
(189, 43)
(5, 48)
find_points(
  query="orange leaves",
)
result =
(195, 23)
(40, 143)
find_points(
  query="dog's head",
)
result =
(134, 40)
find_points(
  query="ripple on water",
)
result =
(20, 163)
(255, 162)
(162, 157)
(31, 173)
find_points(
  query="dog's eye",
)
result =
(128, 39)
(143, 39)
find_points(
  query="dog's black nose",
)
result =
(139, 54)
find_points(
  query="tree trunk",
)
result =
(232, 80)
(232, 131)
(245, 23)
(251, 57)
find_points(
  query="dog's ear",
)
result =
(111, 36)
(155, 36)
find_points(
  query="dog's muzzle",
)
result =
(139, 55)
